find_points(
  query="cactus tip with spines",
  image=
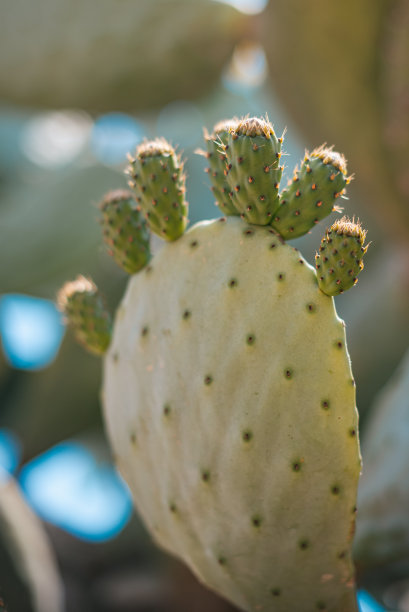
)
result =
(253, 170)
(85, 311)
(311, 194)
(340, 256)
(158, 179)
(125, 230)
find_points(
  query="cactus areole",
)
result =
(228, 395)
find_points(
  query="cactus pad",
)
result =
(254, 172)
(157, 177)
(125, 231)
(339, 260)
(217, 170)
(231, 413)
(85, 311)
(312, 193)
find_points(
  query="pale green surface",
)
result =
(160, 357)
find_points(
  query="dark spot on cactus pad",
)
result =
(352, 432)
(304, 544)
(194, 244)
(222, 219)
(247, 435)
(148, 269)
(250, 339)
(276, 592)
(335, 490)
(288, 373)
(173, 508)
(342, 555)
(133, 438)
(256, 521)
(325, 404)
(273, 245)
(166, 410)
(144, 331)
(281, 276)
(221, 560)
(311, 307)
(233, 282)
(296, 465)
(248, 232)
(205, 475)
(208, 380)
(187, 314)
(339, 344)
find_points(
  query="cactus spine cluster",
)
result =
(228, 395)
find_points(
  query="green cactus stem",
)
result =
(216, 142)
(340, 256)
(253, 172)
(125, 230)
(312, 193)
(158, 180)
(86, 313)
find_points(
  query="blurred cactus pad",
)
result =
(382, 539)
(349, 67)
(228, 395)
(99, 60)
(30, 578)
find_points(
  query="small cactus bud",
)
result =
(125, 230)
(340, 257)
(253, 170)
(215, 153)
(311, 194)
(85, 312)
(156, 175)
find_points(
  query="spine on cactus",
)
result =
(340, 256)
(158, 180)
(312, 193)
(216, 144)
(125, 230)
(253, 172)
(85, 311)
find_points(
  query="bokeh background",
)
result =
(81, 84)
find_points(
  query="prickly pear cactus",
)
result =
(228, 394)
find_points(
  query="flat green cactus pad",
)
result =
(231, 413)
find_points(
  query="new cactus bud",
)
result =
(340, 256)
(125, 230)
(216, 143)
(158, 179)
(85, 312)
(311, 194)
(253, 171)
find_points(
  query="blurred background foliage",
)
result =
(79, 88)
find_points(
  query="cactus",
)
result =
(86, 313)
(229, 399)
(29, 577)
